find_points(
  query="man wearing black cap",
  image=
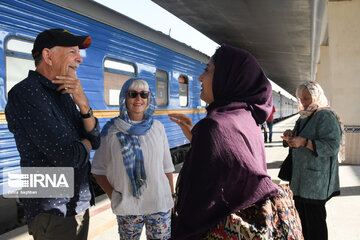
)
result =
(53, 126)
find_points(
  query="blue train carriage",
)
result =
(121, 48)
(284, 106)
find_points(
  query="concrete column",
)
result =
(344, 65)
(322, 74)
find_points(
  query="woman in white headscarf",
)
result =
(317, 146)
(133, 165)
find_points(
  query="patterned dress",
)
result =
(275, 218)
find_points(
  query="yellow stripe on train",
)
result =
(115, 113)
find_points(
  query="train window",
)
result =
(18, 61)
(183, 90)
(162, 83)
(19, 45)
(115, 74)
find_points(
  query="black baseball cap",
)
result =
(58, 37)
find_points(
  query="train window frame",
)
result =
(112, 74)
(18, 60)
(161, 101)
(184, 88)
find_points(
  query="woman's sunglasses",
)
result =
(134, 94)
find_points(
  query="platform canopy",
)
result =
(284, 35)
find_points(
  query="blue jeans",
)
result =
(270, 126)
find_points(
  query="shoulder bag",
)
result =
(285, 172)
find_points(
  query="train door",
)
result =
(18, 62)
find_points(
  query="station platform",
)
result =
(343, 212)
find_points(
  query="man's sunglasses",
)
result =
(134, 94)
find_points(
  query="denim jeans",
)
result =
(270, 126)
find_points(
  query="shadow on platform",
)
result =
(349, 191)
(274, 165)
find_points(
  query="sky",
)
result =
(155, 17)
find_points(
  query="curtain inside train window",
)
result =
(162, 88)
(183, 90)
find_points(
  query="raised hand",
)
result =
(184, 122)
(72, 86)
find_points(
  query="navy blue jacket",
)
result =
(48, 130)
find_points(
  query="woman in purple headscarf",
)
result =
(224, 190)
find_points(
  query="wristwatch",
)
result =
(87, 115)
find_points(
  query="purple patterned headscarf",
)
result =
(239, 78)
(225, 169)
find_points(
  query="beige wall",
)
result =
(352, 149)
(344, 59)
(322, 74)
(339, 69)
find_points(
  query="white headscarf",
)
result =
(320, 102)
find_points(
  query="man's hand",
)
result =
(73, 86)
(87, 143)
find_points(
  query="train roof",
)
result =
(117, 20)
